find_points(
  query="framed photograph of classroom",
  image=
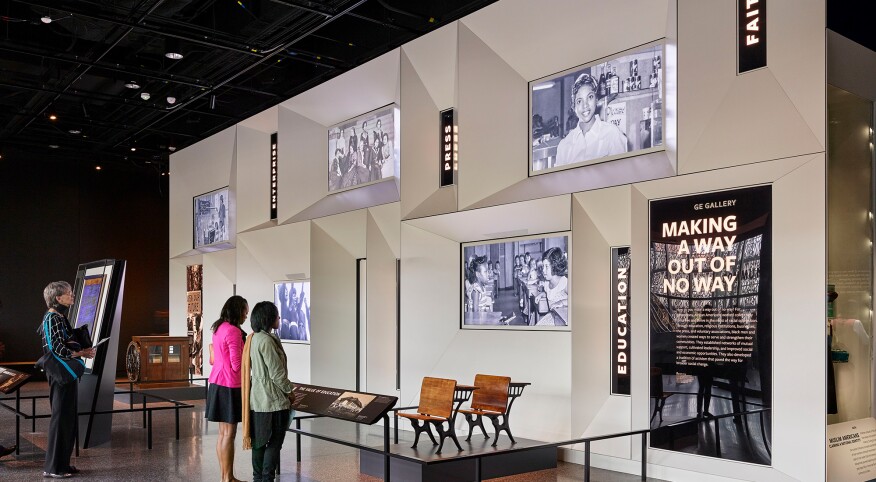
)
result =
(520, 283)
(210, 218)
(364, 150)
(293, 302)
(598, 112)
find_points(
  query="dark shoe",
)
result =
(73, 470)
(57, 476)
(7, 450)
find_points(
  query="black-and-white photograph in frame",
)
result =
(211, 218)
(364, 150)
(517, 283)
(293, 302)
(598, 112)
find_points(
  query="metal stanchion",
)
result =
(386, 447)
(176, 412)
(298, 440)
(587, 461)
(149, 432)
(644, 455)
(17, 420)
(33, 414)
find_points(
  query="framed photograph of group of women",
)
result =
(517, 283)
(363, 150)
(597, 112)
(293, 302)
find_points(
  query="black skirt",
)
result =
(267, 425)
(223, 404)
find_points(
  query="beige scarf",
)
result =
(245, 384)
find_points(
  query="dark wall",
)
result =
(58, 214)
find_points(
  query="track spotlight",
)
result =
(132, 85)
(171, 99)
(145, 95)
(172, 49)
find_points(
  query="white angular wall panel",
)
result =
(538, 216)
(600, 220)
(265, 121)
(727, 119)
(336, 242)
(363, 89)
(433, 58)
(434, 345)
(253, 178)
(420, 158)
(380, 331)
(538, 39)
(493, 121)
(197, 169)
(799, 379)
(302, 171)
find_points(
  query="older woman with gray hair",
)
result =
(57, 332)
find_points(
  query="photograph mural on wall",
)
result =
(363, 150)
(597, 112)
(194, 281)
(516, 283)
(211, 218)
(293, 302)
(711, 324)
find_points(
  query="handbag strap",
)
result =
(48, 334)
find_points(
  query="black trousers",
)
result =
(266, 455)
(62, 426)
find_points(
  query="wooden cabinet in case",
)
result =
(155, 360)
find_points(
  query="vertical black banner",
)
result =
(620, 321)
(752, 37)
(448, 149)
(711, 322)
(274, 175)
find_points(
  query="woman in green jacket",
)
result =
(266, 392)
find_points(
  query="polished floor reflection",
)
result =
(193, 456)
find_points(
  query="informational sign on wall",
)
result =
(711, 314)
(851, 451)
(274, 176)
(448, 151)
(752, 43)
(359, 407)
(620, 321)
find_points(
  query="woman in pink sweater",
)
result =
(223, 395)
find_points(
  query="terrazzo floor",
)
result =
(193, 456)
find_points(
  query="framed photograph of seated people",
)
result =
(293, 302)
(608, 109)
(520, 283)
(212, 219)
(364, 150)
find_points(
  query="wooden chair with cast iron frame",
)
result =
(435, 408)
(490, 400)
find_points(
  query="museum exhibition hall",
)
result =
(644, 227)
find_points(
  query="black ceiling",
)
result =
(71, 59)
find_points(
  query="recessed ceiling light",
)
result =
(46, 19)
(97, 168)
(133, 149)
(171, 148)
(132, 85)
(75, 131)
(145, 95)
(53, 117)
(172, 49)
(53, 146)
(171, 99)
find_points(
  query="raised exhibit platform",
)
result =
(422, 464)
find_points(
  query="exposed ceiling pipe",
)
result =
(88, 67)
